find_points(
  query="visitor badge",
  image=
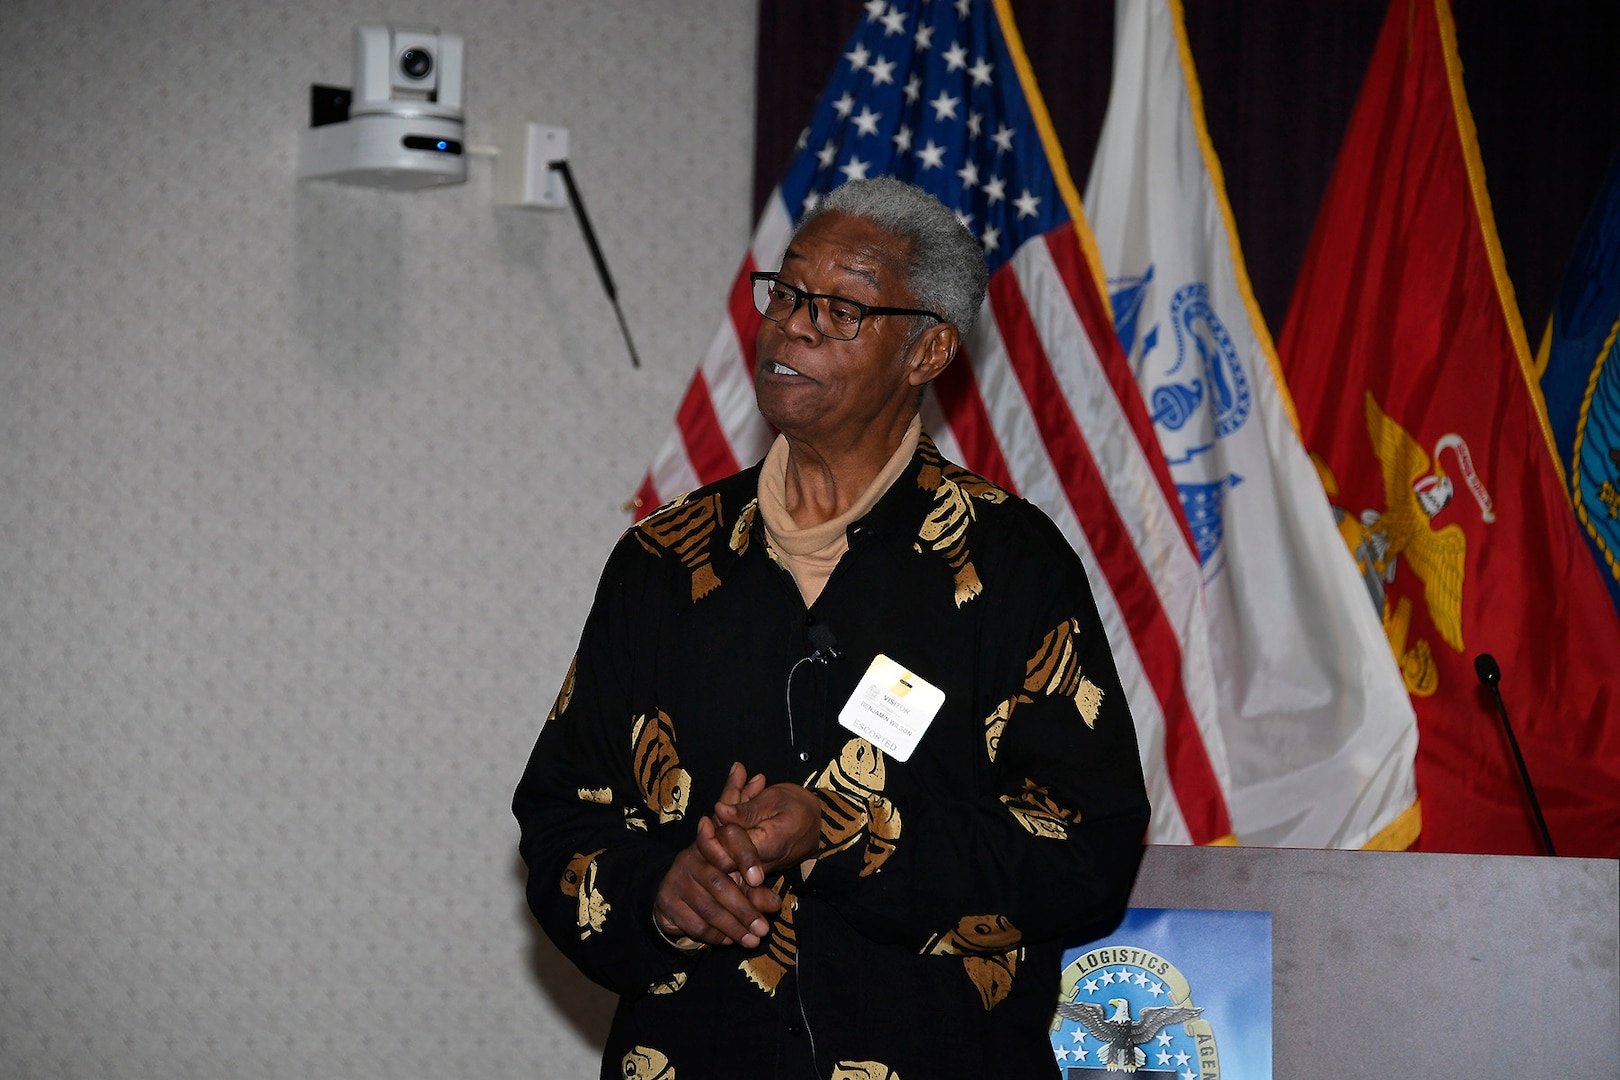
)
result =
(891, 707)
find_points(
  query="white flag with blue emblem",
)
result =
(1319, 731)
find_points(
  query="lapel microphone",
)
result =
(826, 645)
(826, 651)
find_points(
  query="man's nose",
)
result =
(801, 321)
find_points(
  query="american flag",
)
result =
(940, 95)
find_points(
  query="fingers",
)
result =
(730, 848)
(781, 825)
(736, 782)
(700, 900)
(755, 785)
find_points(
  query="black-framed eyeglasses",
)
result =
(834, 316)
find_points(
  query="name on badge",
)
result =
(892, 707)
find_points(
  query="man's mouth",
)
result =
(781, 369)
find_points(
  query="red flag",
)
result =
(1407, 359)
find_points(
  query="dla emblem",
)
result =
(1196, 397)
(1125, 1009)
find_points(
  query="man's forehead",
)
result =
(852, 245)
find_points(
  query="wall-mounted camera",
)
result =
(401, 126)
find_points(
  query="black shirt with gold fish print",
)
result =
(925, 942)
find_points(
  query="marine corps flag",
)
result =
(1580, 380)
(1041, 400)
(1318, 728)
(1408, 362)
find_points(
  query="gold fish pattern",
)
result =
(671, 985)
(1055, 670)
(945, 528)
(566, 694)
(853, 808)
(685, 528)
(664, 785)
(1037, 811)
(863, 1070)
(743, 530)
(579, 881)
(997, 721)
(989, 948)
(781, 950)
(645, 1063)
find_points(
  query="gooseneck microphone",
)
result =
(1489, 675)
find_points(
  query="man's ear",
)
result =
(933, 352)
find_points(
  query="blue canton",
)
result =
(927, 92)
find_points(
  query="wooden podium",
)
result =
(1399, 964)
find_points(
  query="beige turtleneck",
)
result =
(811, 553)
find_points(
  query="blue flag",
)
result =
(1580, 379)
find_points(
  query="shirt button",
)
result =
(795, 1029)
(809, 618)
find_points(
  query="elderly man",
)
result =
(884, 678)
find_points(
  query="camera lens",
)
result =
(415, 63)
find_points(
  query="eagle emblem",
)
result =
(1416, 489)
(1120, 1036)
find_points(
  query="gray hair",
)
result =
(946, 271)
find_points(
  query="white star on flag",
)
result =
(955, 57)
(944, 106)
(866, 122)
(981, 72)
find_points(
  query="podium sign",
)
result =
(1410, 964)
(1170, 995)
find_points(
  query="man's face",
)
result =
(828, 392)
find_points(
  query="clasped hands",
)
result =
(715, 891)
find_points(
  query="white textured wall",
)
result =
(303, 493)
